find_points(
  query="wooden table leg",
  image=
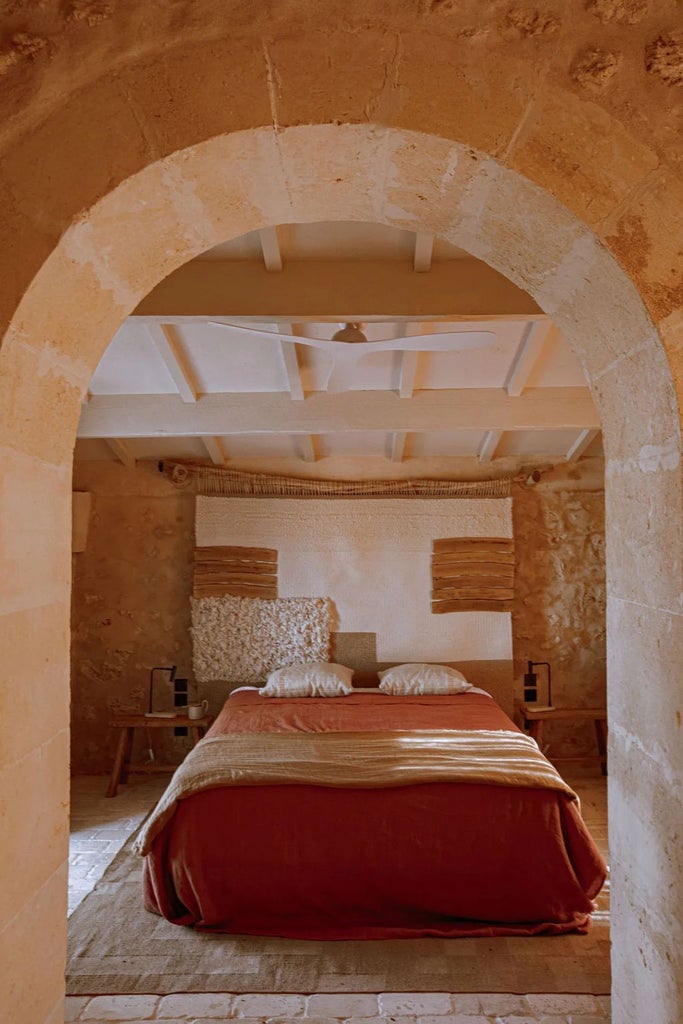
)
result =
(118, 763)
(197, 734)
(601, 737)
(536, 731)
(127, 754)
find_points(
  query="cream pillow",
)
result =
(316, 679)
(417, 679)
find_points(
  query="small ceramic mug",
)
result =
(198, 710)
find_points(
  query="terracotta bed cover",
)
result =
(432, 858)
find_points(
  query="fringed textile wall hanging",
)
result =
(236, 571)
(473, 574)
(214, 481)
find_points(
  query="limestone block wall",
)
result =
(559, 612)
(130, 605)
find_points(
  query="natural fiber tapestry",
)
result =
(243, 638)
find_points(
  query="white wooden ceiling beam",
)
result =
(487, 452)
(408, 374)
(270, 247)
(216, 415)
(307, 447)
(336, 292)
(168, 345)
(422, 256)
(214, 448)
(290, 361)
(121, 451)
(526, 357)
(583, 440)
(397, 445)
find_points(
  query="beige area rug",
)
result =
(117, 948)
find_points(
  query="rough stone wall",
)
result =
(130, 605)
(559, 613)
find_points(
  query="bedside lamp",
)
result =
(171, 669)
(531, 682)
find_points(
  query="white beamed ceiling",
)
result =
(173, 348)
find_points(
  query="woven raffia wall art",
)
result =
(243, 639)
(235, 570)
(473, 574)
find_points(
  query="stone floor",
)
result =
(100, 827)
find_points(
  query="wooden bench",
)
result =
(535, 719)
(127, 724)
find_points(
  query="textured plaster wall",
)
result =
(559, 613)
(130, 606)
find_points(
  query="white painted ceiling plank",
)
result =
(408, 374)
(166, 341)
(422, 257)
(583, 441)
(270, 247)
(527, 355)
(215, 450)
(121, 451)
(491, 441)
(115, 416)
(397, 444)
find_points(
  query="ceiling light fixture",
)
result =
(351, 334)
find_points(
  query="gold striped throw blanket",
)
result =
(354, 760)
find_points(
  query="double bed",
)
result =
(369, 816)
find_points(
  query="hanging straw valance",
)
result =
(230, 483)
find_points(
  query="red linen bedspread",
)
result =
(440, 859)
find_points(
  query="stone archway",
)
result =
(164, 215)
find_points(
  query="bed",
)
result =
(396, 852)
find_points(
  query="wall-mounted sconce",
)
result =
(171, 669)
(531, 682)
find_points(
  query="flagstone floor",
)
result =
(100, 827)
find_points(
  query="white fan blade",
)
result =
(320, 343)
(454, 341)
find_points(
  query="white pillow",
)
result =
(317, 679)
(414, 680)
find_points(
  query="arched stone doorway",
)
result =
(167, 213)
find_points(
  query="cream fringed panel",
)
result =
(243, 639)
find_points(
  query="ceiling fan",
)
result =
(349, 347)
(350, 343)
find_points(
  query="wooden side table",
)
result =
(127, 724)
(535, 719)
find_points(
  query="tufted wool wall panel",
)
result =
(372, 558)
(243, 639)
